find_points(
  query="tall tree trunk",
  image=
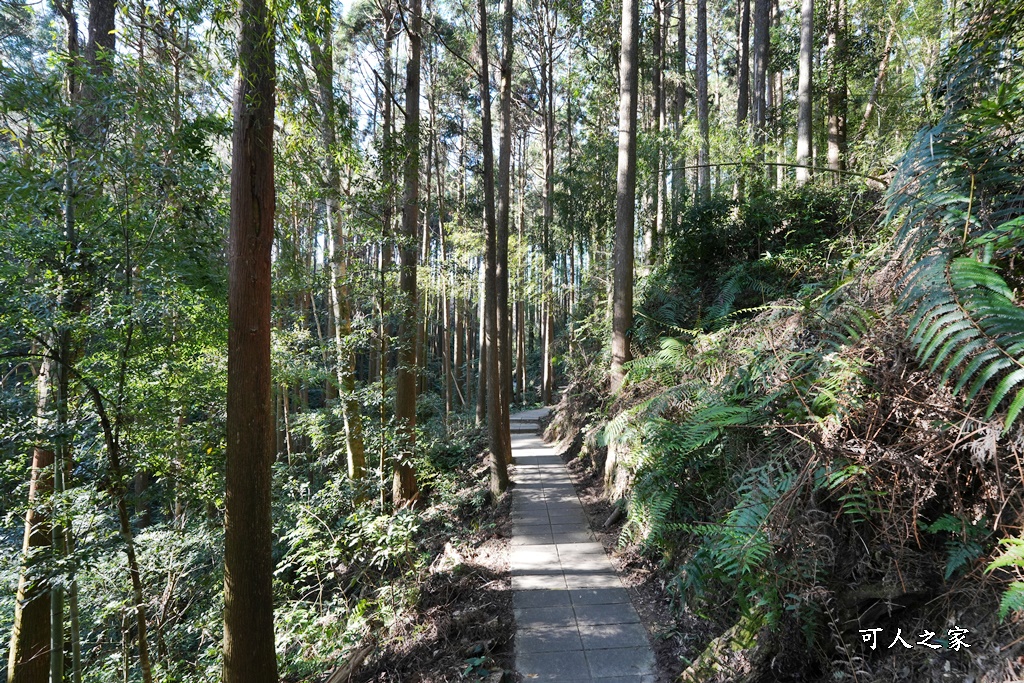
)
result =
(883, 66)
(804, 149)
(388, 155)
(460, 352)
(762, 29)
(837, 99)
(29, 656)
(322, 53)
(481, 348)
(742, 83)
(249, 655)
(658, 86)
(521, 289)
(498, 444)
(547, 101)
(625, 193)
(776, 119)
(503, 331)
(679, 190)
(446, 295)
(404, 487)
(704, 156)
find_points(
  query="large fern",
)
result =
(957, 202)
(967, 324)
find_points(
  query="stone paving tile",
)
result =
(547, 639)
(551, 618)
(621, 613)
(604, 636)
(575, 581)
(561, 666)
(599, 596)
(550, 598)
(538, 582)
(536, 537)
(621, 661)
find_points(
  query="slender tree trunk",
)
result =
(625, 193)
(249, 654)
(29, 655)
(658, 86)
(804, 143)
(495, 380)
(404, 487)
(446, 298)
(776, 120)
(503, 330)
(679, 190)
(388, 154)
(322, 53)
(481, 346)
(460, 352)
(521, 289)
(742, 85)
(883, 66)
(759, 122)
(704, 156)
(837, 99)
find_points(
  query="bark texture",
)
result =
(499, 447)
(625, 195)
(404, 484)
(249, 655)
(704, 154)
(29, 657)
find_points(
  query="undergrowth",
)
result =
(821, 432)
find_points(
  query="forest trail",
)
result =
(574, 619)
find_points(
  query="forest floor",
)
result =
(461, 625)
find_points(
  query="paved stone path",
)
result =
(574, 620)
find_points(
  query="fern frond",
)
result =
(967, 323)
(1013, 599)
(1012, 556)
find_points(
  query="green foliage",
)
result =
(967, 323)
(1012, 556)
(964, 544)
(727, 260)
(956, 203)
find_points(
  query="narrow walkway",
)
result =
(574, 620)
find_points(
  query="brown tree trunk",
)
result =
(625, 194)
(837, 99)
(404, 485)
(658, 86)
(521, 289)
(249, 655)
(481, 348)
(679, 105)
(703, 125)
(322, 53)
(460, 353)
(503, 331)
(498, 444)
(759, 122)
(29, 656)
(742, 85)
